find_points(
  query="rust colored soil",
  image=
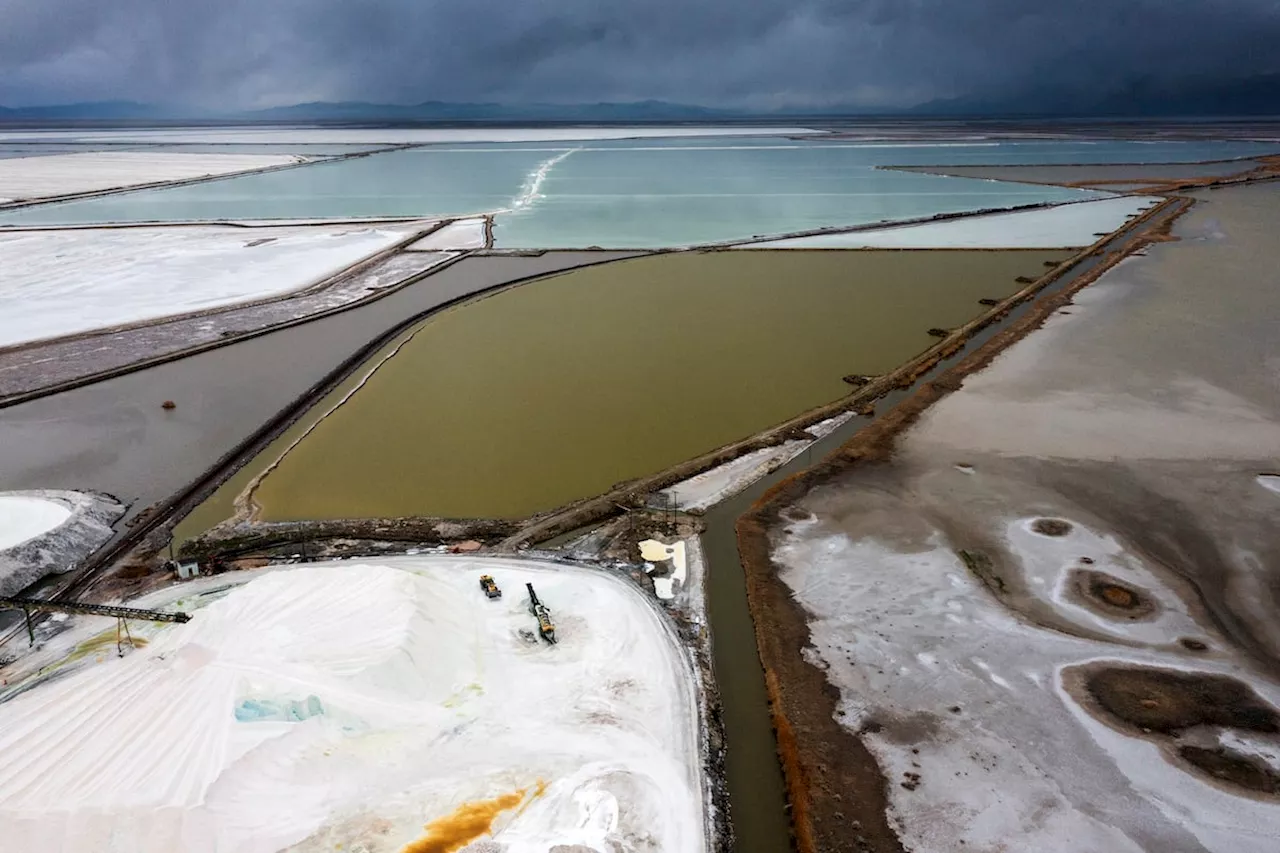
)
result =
(1109, 595)
(837, 792)
(463, 825)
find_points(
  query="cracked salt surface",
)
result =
(319, 703)
(908, 634)
(463, 234)
(56, 283)
(1063, 226)
(64, 174)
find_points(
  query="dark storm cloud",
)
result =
(246, 53)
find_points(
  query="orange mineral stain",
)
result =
(466, 823)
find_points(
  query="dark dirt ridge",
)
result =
(1051, 526)
(1181, 711)
(1169, 701)
(1233, 768)
(837, 793)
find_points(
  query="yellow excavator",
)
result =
(540, 612)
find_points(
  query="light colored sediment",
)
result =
(23, 517)
(1095, 173)
(710, 487)
(703, 491)
(1060, 226)
(462, 234)
(58, 283)
(49, 367)
(1151, 362)
(50, 532)
(65, 174)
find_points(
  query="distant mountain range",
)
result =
(361, 112)
(1251, 96)
(445, 111)
(105, 111)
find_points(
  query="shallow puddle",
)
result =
(558, 389)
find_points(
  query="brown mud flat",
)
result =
(1167, 701)
(837, 792)
(1231, 767)
(1182, 713)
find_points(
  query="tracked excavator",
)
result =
(540, 612)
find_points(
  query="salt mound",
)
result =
(366, 626)
(159, 727)
(349, 705)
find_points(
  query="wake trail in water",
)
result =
(529, 193)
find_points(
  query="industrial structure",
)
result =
(540, 612)
(121, 614)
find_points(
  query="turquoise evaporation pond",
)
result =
(635, 193)
(397, 183)
(689, 192)
(677, 197)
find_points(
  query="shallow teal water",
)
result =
(397, 183)
(664, 196)
(634, 193)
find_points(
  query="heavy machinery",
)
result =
(490, 586)
(26, 605)
(540, 612)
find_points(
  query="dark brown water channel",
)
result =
(541, 394)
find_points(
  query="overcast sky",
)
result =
(258, 53)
